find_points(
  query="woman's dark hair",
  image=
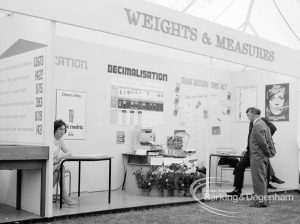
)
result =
(58, 124)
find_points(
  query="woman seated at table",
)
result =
(60, 128)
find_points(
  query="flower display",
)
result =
(173, 177)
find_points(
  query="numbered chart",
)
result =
(136, 103)
(22, 94)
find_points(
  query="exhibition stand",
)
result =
(122, 75)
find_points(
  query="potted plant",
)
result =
(177, 170)
(187, 180)
(162, 184)
(162, 180)
(170, 183)
(180, 184)
(143, 181)
(152, 176)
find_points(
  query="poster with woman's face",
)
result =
(277, 102)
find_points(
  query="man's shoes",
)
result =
(256, 204)
(275, 179)
(69, 201)
(270, 186)
(236, 191)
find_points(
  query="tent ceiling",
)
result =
(4, 14)
(274, 20)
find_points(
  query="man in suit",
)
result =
(259, 140)
(271, 173)
(244, 163)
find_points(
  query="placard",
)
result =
(120, 137)
(277, 102)
(70, 107)
(156, 161)
(22, 94)
(169, 160)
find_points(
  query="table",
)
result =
(26, 157)
(80, 158)
(143, 159)
(221, 155)
(140, 161)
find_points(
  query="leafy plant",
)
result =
(180, 181)
(145, 180)
(163, 177)
(141, 180)
(170, 182)
(162, 181)
(177, 169)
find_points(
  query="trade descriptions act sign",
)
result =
(70, 107)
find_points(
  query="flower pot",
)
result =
(181, 193)
(187, 192)
(145, 192)
(176, 178)
(170, 151)
(165, 193)
(175, 193)
(155, 191)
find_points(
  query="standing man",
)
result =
(271, 173)
(244, 163)
(260, 138)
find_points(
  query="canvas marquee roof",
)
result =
(274, 20)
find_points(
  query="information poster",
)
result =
(136, 103)
(245, 97)
(70, 107)
(22, 96)
(192, 102)
(277, 102)
(120, 137)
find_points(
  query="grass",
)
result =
(278, 212)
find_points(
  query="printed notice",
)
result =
(130, 98)
(120, 137)
(70, 107)
(22, 97)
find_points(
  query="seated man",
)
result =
(244, 163)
